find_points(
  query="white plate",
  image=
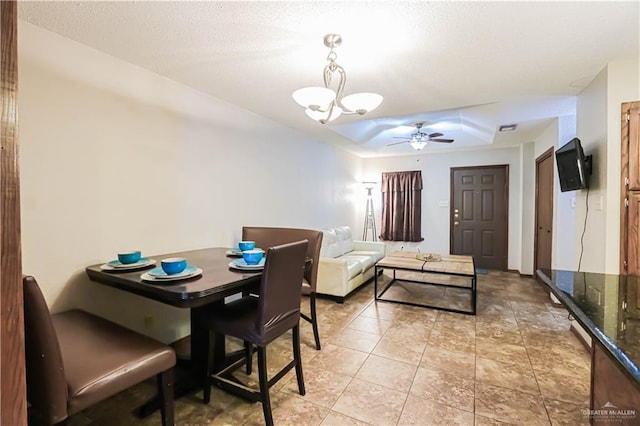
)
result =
(234, 252)
(160, 274)
(242, 265)
(177, 277)
(115, 265)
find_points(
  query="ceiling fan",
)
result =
(419, 139)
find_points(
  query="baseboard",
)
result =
(338, 299)
(554, 300)
(582, 335)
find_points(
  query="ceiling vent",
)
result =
(507, 127)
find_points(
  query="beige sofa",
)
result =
(345, 264)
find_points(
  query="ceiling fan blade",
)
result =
(441, 140)
(397, 143)
(435, 135)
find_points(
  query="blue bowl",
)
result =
(127, 257)
(253, 257)
(246, 245)
(173, 265)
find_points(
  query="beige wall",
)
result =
(115, 157)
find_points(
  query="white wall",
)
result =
(597, 124)
(598, 127)
(527, 207)
(591, 128)
(566, 204)
(115, 157)
(436, 176)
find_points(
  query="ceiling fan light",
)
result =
(320, 97)
(417, 145)
(320, 116)
(362, 102)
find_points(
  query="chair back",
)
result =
(279, 298)
(266, 237)
(46, 382)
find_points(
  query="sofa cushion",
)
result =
(345, 240)
(366, 262)
(354, 265)
(375, 255)
(330, 244)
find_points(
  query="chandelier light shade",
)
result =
(320, 97)
(362, 103)
(325, 104)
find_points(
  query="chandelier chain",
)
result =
(332, 56)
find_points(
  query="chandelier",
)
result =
(323, 104)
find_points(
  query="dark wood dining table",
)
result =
(197, 294)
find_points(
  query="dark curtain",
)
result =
(401, 206)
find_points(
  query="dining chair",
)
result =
(75, 359)
(259, 320)
(266, 237)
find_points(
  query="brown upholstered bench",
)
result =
(75, 359)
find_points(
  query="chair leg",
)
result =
(297, 358)
(314, 319)
(248, 356)
(206, 380)
(264, 385)
(165, 391)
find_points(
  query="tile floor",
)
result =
(516, 362)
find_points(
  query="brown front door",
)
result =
(544, 211)
(479, 214)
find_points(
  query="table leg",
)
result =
(189, 374)
(474, 301)
(375, 283)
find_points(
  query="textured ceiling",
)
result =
(464, 68)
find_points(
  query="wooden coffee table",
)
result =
(461, 268)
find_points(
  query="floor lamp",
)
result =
(369, 218)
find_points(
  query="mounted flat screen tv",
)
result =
(574, 167)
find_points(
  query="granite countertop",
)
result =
(607, 306)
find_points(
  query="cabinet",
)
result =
(614, 396)
(630, 190)
(630, 129)
(606, 305)
(632, 205)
